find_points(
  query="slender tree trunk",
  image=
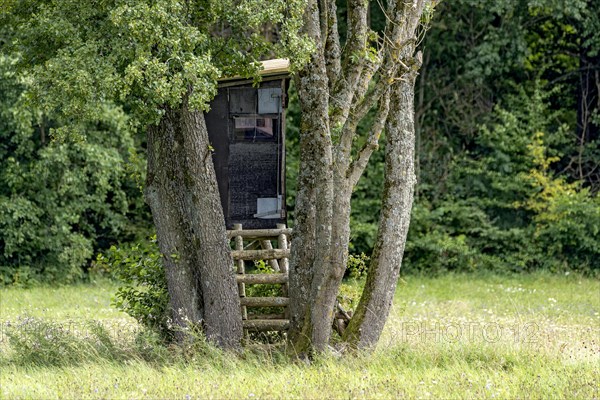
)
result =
(302, 248)
(373, 309)
(326, 291)
(182, 192)
(327, 282)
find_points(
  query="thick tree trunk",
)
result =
(373, 309)
(336, 94)
(182, 192)
(309, 263)
(330, 272)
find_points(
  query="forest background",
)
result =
(508, 156)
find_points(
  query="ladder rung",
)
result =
(266, 324)
(266, 316)
(265, 301)
(262, 278)
(259, 233)
(270, 254)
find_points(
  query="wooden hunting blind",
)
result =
(246, 128)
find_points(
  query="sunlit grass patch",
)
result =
(554, 314)
(455, 336)
(81, 301)
(446, 372)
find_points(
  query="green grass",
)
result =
(81, 301)
(455, 336)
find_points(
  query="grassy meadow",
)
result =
(454, 336)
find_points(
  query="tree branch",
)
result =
(353, 61)
(332, 45)
(358, 166)
(402, 22)
(395, 54)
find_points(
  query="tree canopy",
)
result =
(142, 55)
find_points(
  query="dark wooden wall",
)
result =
(246, 170)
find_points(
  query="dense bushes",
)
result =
(505, 208)
(494, 193)
(61, 200)
(508, 176)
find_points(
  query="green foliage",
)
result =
(567, 217)
(89, 76)
(350, 293)
(366, 204)
(143, 292)
(518, 72)
(358, 265)
(146, 54)
(505, 210)
(60, 200)
(459, 236)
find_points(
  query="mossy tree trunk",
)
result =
(182, 192)
(372, 311)
(337, 90)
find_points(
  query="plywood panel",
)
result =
(242, 101)
(253, 169)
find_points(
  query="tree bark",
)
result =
(182, 192)
(373, 309)
(310, 245)
(337, 90)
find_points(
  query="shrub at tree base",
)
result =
(143, 293)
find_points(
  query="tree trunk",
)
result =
(373, 309)
(337, 90)
(328, 274)
(182, 192)
(310, 246)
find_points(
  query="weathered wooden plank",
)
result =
(264, 301)
(266, 316)
(239, 245)
(282, 243)
(266, 325)
(262, 278)
(260, 254)
(266, 245)
(258, 233)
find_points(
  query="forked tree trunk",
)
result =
(310, 244)
(182, 192)
(337, 89)
(373, 309)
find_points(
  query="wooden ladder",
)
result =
(277, 259)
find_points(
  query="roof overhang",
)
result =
(276, 68)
